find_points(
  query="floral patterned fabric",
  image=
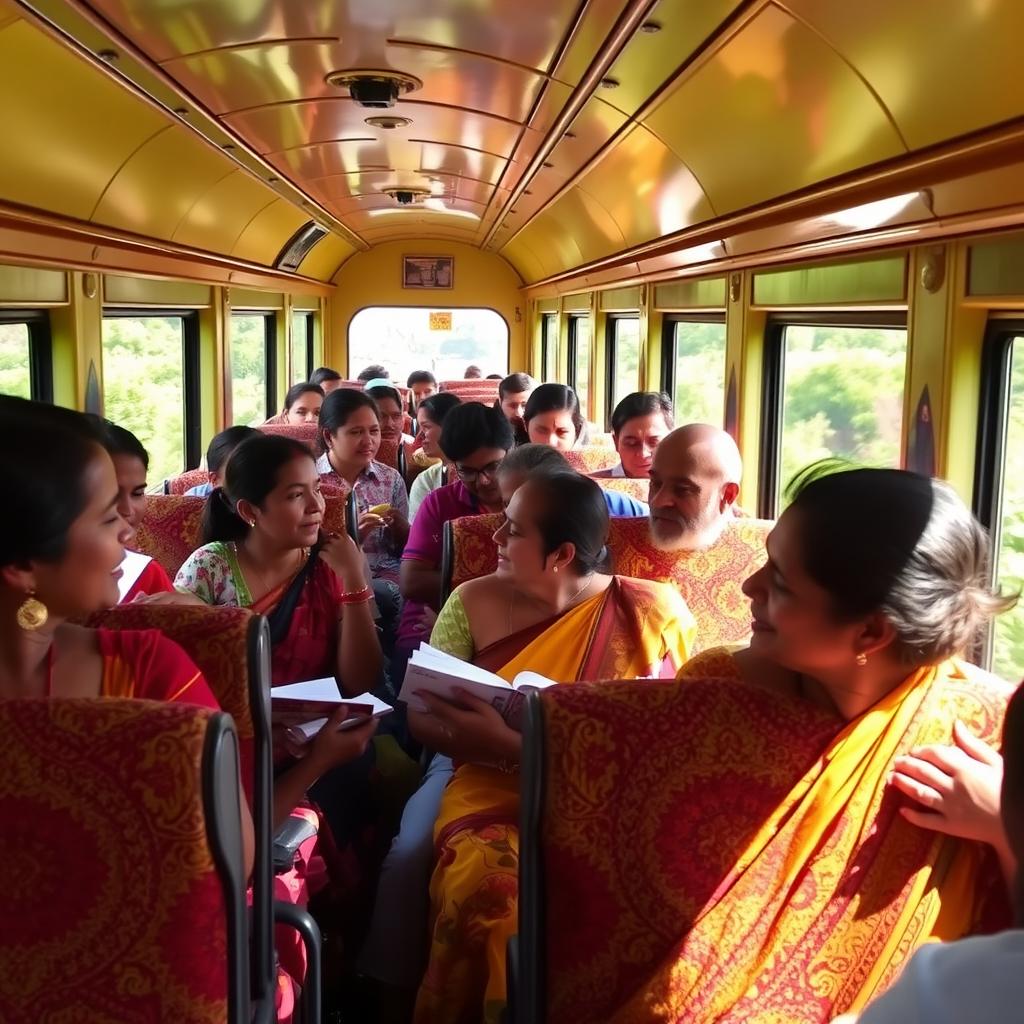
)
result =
(483, 391)
(101, 824)
(184, 481)
(307, 433)
(715, 851)
(591, 458)
(635, 488)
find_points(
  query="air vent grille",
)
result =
(299, 245)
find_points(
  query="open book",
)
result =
(433, 671)
(303, 708)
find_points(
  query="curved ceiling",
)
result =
(559, 133)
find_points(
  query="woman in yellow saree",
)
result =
(795, 878)
(547, 609)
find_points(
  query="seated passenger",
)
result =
(389, 410)
(513, 394)
(813, 894)
(328, 379)
(473, 373)
(474, 440)
(550, 608)
(421, 384)
(140, 575)
(553, 417)
(374, 372)
(350, 434)
(62, 543)
(222, 445)
(531, 460)
(981, 979)
(430, 416)
(639, 423)
(302, 404)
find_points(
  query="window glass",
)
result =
(249, 369)
(699, 357)
(842, 396)
(143, 386)
(15, 361)
(549, 336)
(1008, 650)
(579, 367)
(626, 357)
(302, 342)
(404, 339)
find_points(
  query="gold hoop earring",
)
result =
(32, 614)
(862, 659)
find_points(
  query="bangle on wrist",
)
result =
(357, 596)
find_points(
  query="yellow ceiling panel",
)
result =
(222, 213)
(773, 111)
(597, 22)
(263, 238)
(649, 59)
(325, 257)
(67, 129)
(942, 67)
(128, 201)
(524, 259)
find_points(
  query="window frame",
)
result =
(773, 381)
(548, 339)
(668, 349)
(610, 347)
(573, 326)
(310, 332)
(191, 391)
(270, 398)
(993, 424)
(40, 349)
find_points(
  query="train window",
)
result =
(253, 395)
(999, 486)
(145, 355)
(302, 346)
(831, 390)
(623, 357)
(25, 355)
(579, 359)
(408, 338)
(549, 346)
(694, 359)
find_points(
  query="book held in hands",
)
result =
(303, 708)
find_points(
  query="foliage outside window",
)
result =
(843, 396)
(699, 357)
(400, 338)
(249, 369)
(143, 386)
(626, 355)
(580, 369)
(15, 361)
(1008, 648)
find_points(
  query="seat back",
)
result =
(183, 481)
(601, 440)
(306, 433)
(120, 841)
(483, 391)
(710, 581)
(387, 453)
(633, 486)
(172, 523)
(591, 458)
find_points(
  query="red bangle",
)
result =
(357, 596)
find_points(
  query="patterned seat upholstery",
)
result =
(183, 481)
(634, 487)
(591, 458)
(113, 907)
(484, 391)
(307, 433)
(601, 440)
(387, 453)
(710, 580)
(171, 525)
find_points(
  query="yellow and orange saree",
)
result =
(634, 629)
(740, 856)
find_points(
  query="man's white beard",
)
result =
(694, 536)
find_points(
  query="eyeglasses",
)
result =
(469, 475)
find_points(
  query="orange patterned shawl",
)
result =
(738, 855)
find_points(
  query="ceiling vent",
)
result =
(388, 123)
(408, 196)
(377, 90)
(298, 246)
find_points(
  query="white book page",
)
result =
(527, 681)
(132, 568)
(312, 689)
(307, 730)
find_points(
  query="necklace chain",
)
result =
(572, 600)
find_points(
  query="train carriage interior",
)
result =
(344, 269)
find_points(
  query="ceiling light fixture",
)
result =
(650, 27)
(374, 88)
(609, 83)
(388, 123)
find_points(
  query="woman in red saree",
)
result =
(789, 879)
(548, 609)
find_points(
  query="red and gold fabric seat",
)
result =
(306, 433)
(183, 481)
(106, 851)
(591, 458)
(483, 391)
(635, 487)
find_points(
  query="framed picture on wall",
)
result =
(428, 271)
